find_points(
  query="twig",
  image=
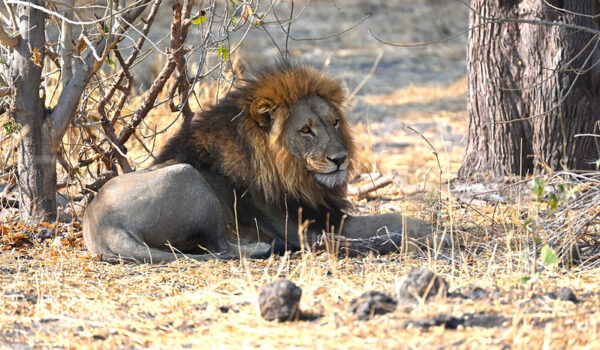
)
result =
(11, 12)
(374, 185)
(176, 48)
(71, 94)
(133, 7)
(4, 91)
(66, 48)
(367, 77)
(335, 34)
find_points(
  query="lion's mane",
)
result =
(225, 139)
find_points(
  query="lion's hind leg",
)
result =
(124, 247)
(120, 245)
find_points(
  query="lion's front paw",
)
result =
(420, 234)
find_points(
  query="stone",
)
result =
(372, 303)
(280, 301)
(421, 284)
(566, 294)
(482, 319)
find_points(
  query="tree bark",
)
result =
(527, 99)
(37, 160)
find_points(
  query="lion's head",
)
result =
(281, 135)
(297, 113)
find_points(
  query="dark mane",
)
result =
(226, 139)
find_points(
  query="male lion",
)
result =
(266, 168)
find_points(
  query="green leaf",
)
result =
(548, 256)
(109, 62)
(524, 280)
(3, 62)
(538, 240)
(199, 20)
(529, 279)
(11, 127)
(537, 187)
(224, 52)
(553, 201)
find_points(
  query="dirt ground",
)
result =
(410, 122)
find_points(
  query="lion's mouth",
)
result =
(332, 179)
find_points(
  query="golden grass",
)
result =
(55, 296)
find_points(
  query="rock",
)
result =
(372, 303)
(224, 309)
(279, 301)
(421, 284)
(47, 233)
(566, 294)
(484, 320)
(471, 292)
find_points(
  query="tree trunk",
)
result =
(527, 100)
(37, 160)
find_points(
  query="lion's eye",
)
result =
(306, 130)
(335, 122)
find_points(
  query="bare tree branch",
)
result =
(66, 48)
(69, 98)
(179, 31)
(6, 39)
(137, 6)
(125, 65)
(4, 91)
(11, 12)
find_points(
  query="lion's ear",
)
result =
(261, 110)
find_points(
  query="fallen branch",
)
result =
(374, 185)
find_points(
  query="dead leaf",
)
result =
(36, 56)
(81, 46)
(247, 11)
(319, 291)
(5, 229)
(46, 224)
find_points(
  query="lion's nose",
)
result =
(338, 159)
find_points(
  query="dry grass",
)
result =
(55, 296)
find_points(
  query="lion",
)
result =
(264, 170)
